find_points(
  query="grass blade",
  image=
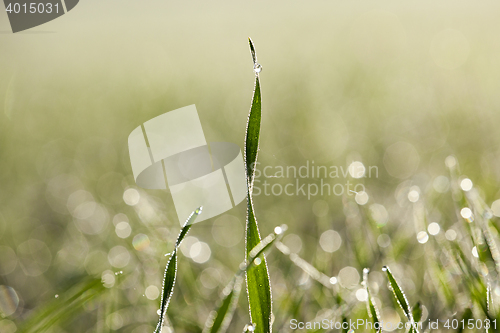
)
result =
(219, 320)
(465, 318)
(253, 127)
(171, 270)
(401, 299)
(372, 308)
(417, 312)
(257, 279)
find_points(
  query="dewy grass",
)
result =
(460, 271)
(257, 279)
(371, 306)
(171, 270)
(401, 299)
(219, 319)
(255, 268)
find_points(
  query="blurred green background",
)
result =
(397, 85)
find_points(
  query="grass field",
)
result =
(407, 91)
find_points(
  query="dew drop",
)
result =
(450, 161)
(466, 184)
(466, 213)
(384, 268)
(257, 261)
(257, 68)
(422, 237)
(249, 328)
(474, 252)
(158, 312)
(56, 296)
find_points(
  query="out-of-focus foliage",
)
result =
(397, 87)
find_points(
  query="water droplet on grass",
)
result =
(249, 328)
(257, 68)
(422, 237)
(466, 213)
(466, 184)
(474, 252)
(56, 296)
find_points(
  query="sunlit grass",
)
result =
(69, 153)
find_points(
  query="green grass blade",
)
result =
(257, 279)
(171, 270)
(252, 50)
(417, 312)
(219, 320)
(465, 317)
(253, 132)
(401, 298)
(372, 308)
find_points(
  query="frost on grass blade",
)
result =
(257, 279)
(219, 320)
(171, 270)
(401, 298)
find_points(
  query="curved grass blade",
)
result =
(372, 308)
(219, 320)
(401, 299)
(257, 280)
(171, 270)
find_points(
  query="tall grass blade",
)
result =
(219, 320)
(257, 280)
(401, 299)
(171, 270)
